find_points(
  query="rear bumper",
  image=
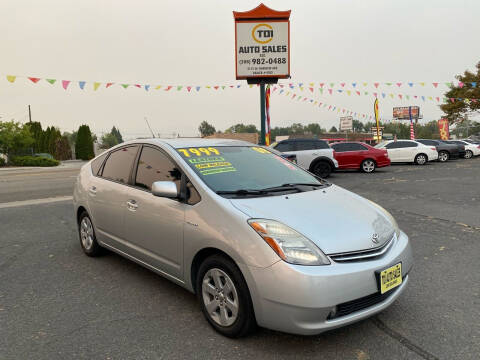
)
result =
(383, 163)
(302, 299)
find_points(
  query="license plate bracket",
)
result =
(389, 278)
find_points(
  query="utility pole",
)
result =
(29, 113)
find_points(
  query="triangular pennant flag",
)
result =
(452, 100)
(358, 92)
(376, 85)
(435, 84)
(216, 87)
(321, 90)
(410, 84)
(342, 84)
(399, 84)
(400, 96)
(332, 85)
(158, 87)
(349, 92)
(293, 96)
(138, 85)
(168, 88)
(311, 100)
(391, 95)
(311, 84)
(223, 87)
(125, 85)
(383, 95)
(437, 98)
(81, 84)
(305, 99)
(315, 103)
(375, 94)
(366, 92)
(365, 84)
(34, 80)
(231, 86)
(179, 87)
(51, 81)
(96, 85)
(241, 85)
(449, 84)
(189, 88)
(415, 96)
(281, 91)
(330, 91)
(422, 83)
(65, 84)
(354, 84)
(287, 93)
(388, 84)
(340, 90)
(107, 85)
(301, 88)
(146, 87)
(321, 85)
(300, 84)
(11, 78)
(460, 84)
(311, 89)
(474, 84)
(423, 98)
(430, 98)
(407, 96)
(197, 88)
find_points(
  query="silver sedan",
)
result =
(257, 239)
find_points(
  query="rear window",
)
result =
(119, 164)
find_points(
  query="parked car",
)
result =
(240, 227)
(408, 151)
(445, 151)
(359, 156)
(312, 154)
(44, 155)
(471, 150)
(461, 147)
(470, 141)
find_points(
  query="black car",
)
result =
(445, 151)
(461, 147)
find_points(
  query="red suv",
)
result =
(358, 155)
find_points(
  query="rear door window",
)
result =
(306, 145)
(321, 144)
(119, 164)
(340, 147)
(357, 147)
(284, 146)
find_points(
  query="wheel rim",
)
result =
(421, 159)
(368, 166)
(468, 154)
(443, 156)
(322, 170)
(220, 297)
(86, 233)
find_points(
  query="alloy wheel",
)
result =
(86, 233)
(468, 154)
(220, 297)
(421, 159)
(443, 156)
(368, 166)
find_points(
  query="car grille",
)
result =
(363, 255)
(365, 302)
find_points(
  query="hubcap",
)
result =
(468, 154)
(86, 233)
(421, 159)
(443, 156)
(321, 170)
(220, 297)
(368, 166)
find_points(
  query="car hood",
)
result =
(335, 219)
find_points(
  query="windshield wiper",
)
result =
(290, 186)
(241, 192)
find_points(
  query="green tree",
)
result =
(333, 129)
(468, 89)
(37, 132)
(315, 129)
(63, 151)
(206, 129)
(357, 126)
(115, 132)
(108, 140)
(84, 143)
(241, 128)
(14, 137)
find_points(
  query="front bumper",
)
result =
(301, 299)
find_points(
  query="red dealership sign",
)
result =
(443, 129)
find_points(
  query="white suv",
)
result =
(409, 151)
(312, 154)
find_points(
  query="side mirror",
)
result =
(166, 189)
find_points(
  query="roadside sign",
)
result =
(346, 123)
(262, 43)
(403, 113)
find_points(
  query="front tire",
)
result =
(443, 156)
(368, 166)
(88, 240)
(224, 297)
(468, 154)
(421, 159)
(322, 169)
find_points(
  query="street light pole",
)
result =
(262, 113)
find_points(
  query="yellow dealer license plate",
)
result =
(390, 278)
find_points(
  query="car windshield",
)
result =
(381, 145)
(251, 169)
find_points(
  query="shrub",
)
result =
(33, 161)
(2, 161)
(84, 144)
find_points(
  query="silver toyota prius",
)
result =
(259, 240)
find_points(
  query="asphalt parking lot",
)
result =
(56, 303)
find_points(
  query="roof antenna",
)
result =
(153, 135)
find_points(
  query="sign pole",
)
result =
(262, 113)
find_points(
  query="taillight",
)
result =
(435, 149)
(478, 146)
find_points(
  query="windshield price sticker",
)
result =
(202, 160)
(210, 165)
(198, 151)
(260, 150)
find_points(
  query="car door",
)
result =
(358, 153)
(154, 225)
(107, 194)
(342, 154)
(409, 151)
(394, 151)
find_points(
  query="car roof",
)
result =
(191, 142)
(303, 139)
(349, 142)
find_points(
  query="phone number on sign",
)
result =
(269, 61)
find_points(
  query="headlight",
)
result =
(384, 230)
(291, 246)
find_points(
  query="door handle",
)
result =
(132, 205)
(93, 190)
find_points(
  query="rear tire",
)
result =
(322, 169)
(368, 166)
(443, 156)
(468, 154)
(88, 240)
(421, 159)
(224, 297)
